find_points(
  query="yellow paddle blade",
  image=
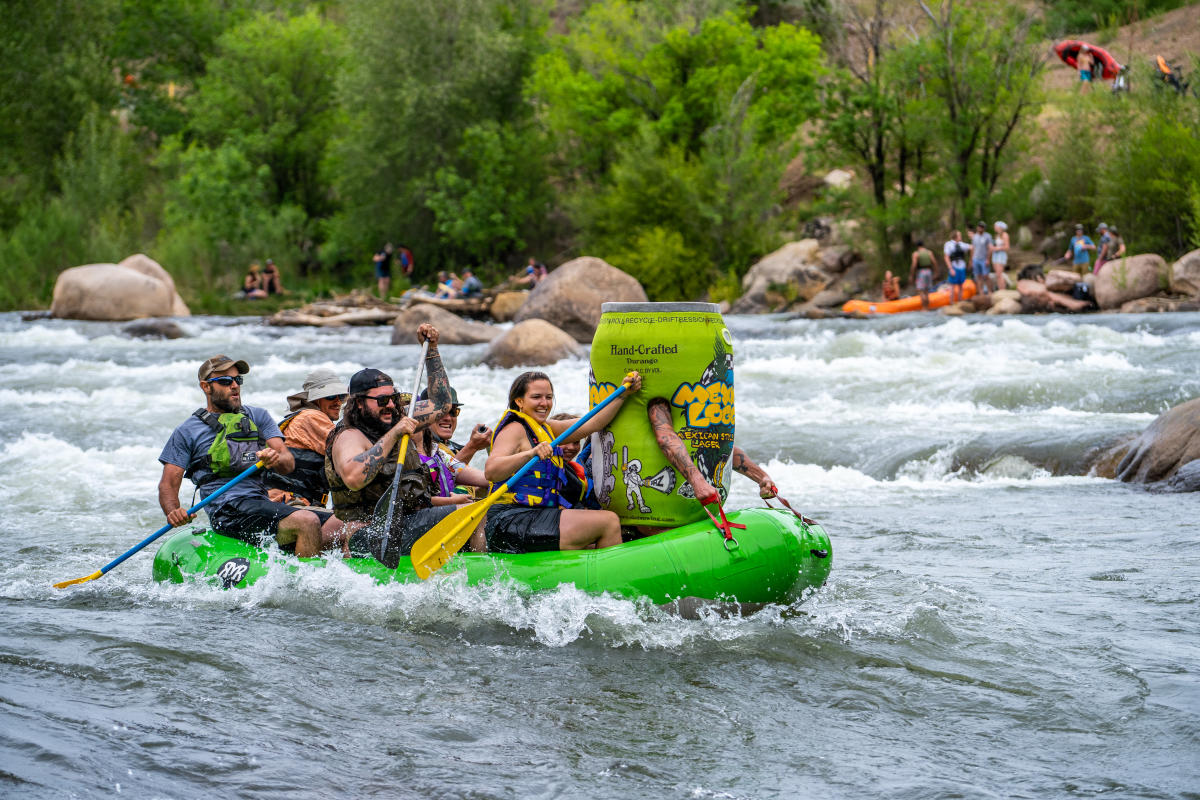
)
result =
(442, 541)
(84, 579)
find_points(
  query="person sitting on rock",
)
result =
(471, 285)
(216, 444)
(252, 284)
(891, 286)
(314, 411)
(361, 455)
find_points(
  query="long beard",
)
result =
(373, 427)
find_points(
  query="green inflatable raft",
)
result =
(775, 559)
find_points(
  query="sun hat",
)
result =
(319, 383)
(220, 364)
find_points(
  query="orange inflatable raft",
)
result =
(936, 300)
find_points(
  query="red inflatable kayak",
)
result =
(1068, 51)
(936, 300)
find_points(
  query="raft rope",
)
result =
(725, 526)
(803, 518)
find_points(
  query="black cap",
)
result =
(424, 395)
(366, 379)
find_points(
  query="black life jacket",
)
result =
(350, 505)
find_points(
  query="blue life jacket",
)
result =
(541, 485)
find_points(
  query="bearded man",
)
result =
(217, 443)
(361, 455)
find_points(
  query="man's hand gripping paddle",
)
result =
(434, 549)
(245, 474)
(393, 498)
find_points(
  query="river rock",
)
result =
(1061, 280)
(952, 311)
(1154, 305)
(793, 273)
(839, 179)
(1005, 305)
(532, 342)
(452, 329)
(1128, 279)
(110, 292)
(1185, 274)
(1024, 237)
(981, 302)
(505, 305)
(148, 266)
(569, 298)
(154, 329)
(1170, 442)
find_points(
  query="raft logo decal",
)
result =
(232, 572)
(705, 405)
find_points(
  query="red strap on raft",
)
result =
(803, 518)
(724, 526)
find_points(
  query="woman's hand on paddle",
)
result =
(426, 332)
(633, 381)
(179, 516)
(543, 450)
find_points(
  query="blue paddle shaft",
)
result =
(562, 436)
(245, 474)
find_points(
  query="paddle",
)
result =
(245, 474)
(395, 490)
(439, 543)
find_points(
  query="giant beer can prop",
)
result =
(684, 353)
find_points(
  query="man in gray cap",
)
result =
(314, 411)
(217, 443)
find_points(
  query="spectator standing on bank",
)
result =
(981, 247)
(405, 257)
(954, 253)
(1086, 63)
(1077, 251)
(922, 272)
(999, 251)
(1115, 248)
(383, 269)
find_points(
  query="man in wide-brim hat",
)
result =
(314, 411)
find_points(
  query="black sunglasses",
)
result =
(227, 380)
(384, 400)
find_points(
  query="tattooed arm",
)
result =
(437, 385)
(676, 451)
(743, 464)
(357, 461)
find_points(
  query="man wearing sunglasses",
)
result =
(313, 411)
(362, 451)
(217, 443)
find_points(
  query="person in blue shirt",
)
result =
(247, 434)
(471, 285)
(1078, 250)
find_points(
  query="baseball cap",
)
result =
(366, 379)
(424, 395)
(220, 364)
(1078, 226)
(1102, 226)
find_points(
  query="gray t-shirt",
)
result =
(980, 242)
(189, 443)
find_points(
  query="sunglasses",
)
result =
(227, 380)
(385, 400)
(454, 411)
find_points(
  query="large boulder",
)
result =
(148, 266)
(1128, 279)
(1171, 441)
(1154, 305)
(1061, 280)
(111, 292)
(1005, 305)
(505, 305)
(569, 298)
(793, 273)
(533, 342)
(1185, 274)
(452, 329)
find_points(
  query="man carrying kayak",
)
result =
(218, 442)
(361, 455)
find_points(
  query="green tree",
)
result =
(674, 131)
(420, 77)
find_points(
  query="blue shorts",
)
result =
(980, 268)
(1085, 75)
(958, 275)
(383, 269)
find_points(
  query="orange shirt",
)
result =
(308, 430)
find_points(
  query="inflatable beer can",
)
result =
(684, 353)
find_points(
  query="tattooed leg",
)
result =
(676, 451)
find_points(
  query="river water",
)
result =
(997, 624)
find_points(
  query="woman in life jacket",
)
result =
(533, 515)
(448, 473)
